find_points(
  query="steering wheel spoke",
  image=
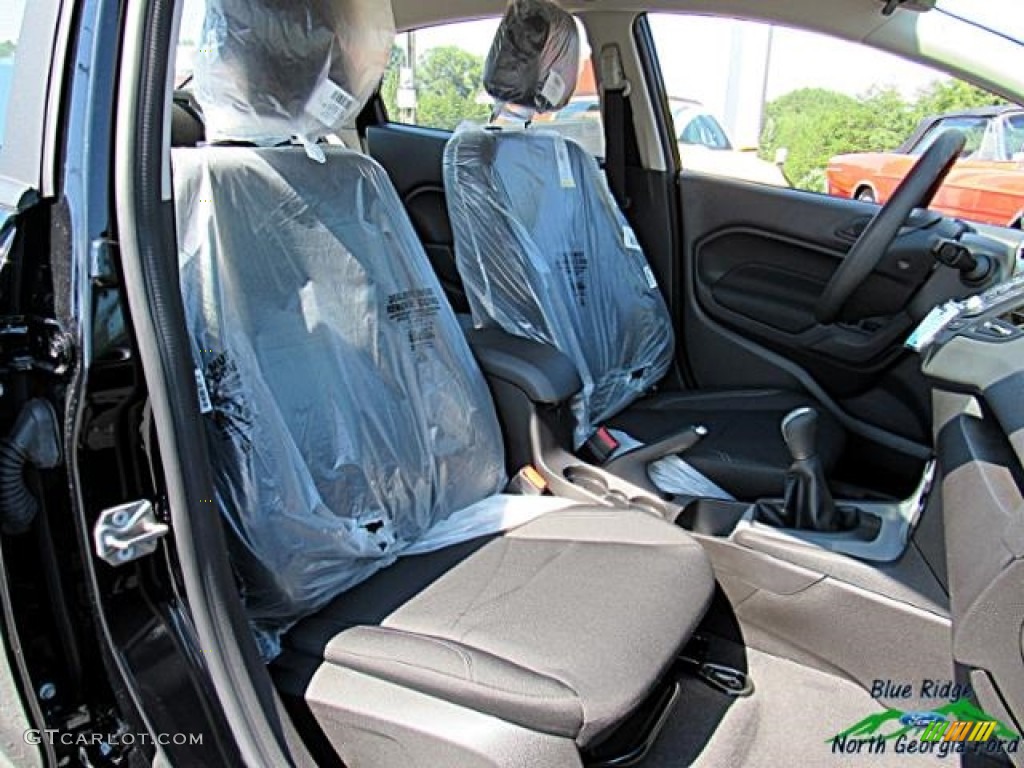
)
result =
(915, 191)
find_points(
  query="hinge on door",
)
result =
(29, 343)
(128, 532)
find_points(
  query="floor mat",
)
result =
(788, 720)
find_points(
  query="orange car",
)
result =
(986, 185)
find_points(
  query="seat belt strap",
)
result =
(616, 91)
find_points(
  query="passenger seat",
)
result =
(545, 253)
(415, 613)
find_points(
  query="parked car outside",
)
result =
(705, 146)
(986, 185)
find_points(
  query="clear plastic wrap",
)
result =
(545, 253)
(270, 70)
(347, 419)
(673, 475)
(535, 57)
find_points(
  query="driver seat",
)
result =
(545, 253)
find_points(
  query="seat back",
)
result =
(542, 248)
(346, 416)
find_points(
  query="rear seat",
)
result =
(358, 458)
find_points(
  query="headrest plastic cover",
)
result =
(271, 70)
(535, 58)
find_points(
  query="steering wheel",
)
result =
(915, 191)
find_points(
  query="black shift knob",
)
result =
(800, 431)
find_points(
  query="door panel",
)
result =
(755, 261)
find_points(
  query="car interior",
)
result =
(528, 461)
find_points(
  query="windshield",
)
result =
(1001, 16)
(1015, 135)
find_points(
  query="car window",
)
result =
(826, 115)
(435, 80)
(702, 130)
(11, 14)
(1015, 137)
(973, 129)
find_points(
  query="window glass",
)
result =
(11, 14)
(435, 80)
(1002, 16)
(973, 129)
(1015, 137)
(795, 108)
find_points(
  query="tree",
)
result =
(815, 124)
(448, 83)
(389, 86)
(7, 48)
(812, 124)
(952, 96)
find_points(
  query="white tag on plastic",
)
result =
(313, 151)
(652, 281)
(554, 88)
(205, 403)
(931, 326)
(330, 103)
(564, 166)
(629, 239)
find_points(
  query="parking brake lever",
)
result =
(631, 466)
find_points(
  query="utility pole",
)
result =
(407, 82)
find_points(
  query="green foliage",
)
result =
(448, 82)
(389, 87)
(815, 124)
(952, 95)
(7, 48)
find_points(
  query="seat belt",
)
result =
(616, 91)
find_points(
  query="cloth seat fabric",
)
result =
(562, 625)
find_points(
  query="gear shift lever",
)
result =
(808, 502)
(800, 431)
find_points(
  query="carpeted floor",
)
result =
(788, 721)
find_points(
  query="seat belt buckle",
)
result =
(601, 445)
(528, 482)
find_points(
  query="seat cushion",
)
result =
(563, 625)
(743, 451)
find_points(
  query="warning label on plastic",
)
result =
(416, 309)
(574, 266)
(231, 413)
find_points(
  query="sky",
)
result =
(11, 12)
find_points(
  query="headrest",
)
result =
(271, 70)
(535, 57)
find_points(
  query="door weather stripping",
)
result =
(128, 532)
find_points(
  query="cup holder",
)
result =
(596, 483)
(587, 479)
